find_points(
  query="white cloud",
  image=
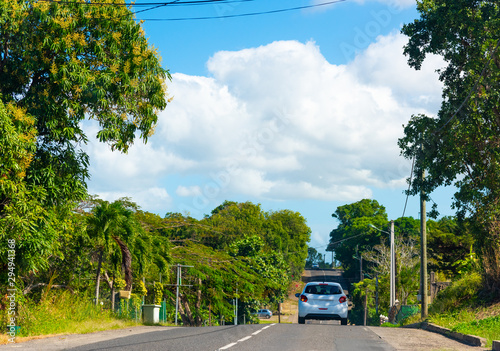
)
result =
(188, 191)
(150, 199)
(279, 122)
(381, 65)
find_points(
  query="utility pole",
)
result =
(366, 306)
(393, 269)
(178, 284)
(376, 295)
(423, 254)
(236, 308)
(360, 267)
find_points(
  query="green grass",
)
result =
(488, 328)
(63, 313)
(458, 308)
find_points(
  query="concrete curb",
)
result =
(464, 338)
(496, 345)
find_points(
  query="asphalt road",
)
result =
(287, 337)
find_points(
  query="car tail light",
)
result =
(342, 299)
(303, 298)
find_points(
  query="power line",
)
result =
(144, 4)
(409, 186)
(158, 6)
(244, 14)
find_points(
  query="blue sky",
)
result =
(296, 110)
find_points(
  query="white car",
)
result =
(322, 300)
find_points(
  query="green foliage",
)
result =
(284, 231)
(449, 242)
(119, 283)
(287, 232)
(313, 256)
(22, 217)
(463, 292)
(60, 63)
(66, 313)
(460, 145)
(468, 265)
(247, 247)
(460, 308)
(364, 289)
(248, 268)
(140, 289)
(488, 328)
(158, 293)
(353, 235)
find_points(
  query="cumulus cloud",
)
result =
(188, 191)
(279, 122)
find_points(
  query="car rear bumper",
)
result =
(324, 317)
(328, 312)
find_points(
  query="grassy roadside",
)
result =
(75, 327)
(62, 313)
(473, 321)
(460, 309)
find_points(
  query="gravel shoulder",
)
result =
(406, 339)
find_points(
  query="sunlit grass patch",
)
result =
(64, 313)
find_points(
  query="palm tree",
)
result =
(112, 221)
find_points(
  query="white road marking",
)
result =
(244, 339)
(228, 346)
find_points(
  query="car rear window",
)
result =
(323, 289)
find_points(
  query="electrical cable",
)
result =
(158, 6)
(409, 186)
(144, 4)
(244, 14)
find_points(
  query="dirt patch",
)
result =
(490, 311)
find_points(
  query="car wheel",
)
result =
(343, 321)
(268, 317)
(302, 320)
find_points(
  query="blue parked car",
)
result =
(264, 313)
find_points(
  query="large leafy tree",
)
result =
(313, 256)
(20, 209)
(354, 235)
(287, 232)
(449, 241)
(62, 62)
(461, 145)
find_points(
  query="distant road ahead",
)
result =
(327, 275)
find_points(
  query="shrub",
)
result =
(462, 292)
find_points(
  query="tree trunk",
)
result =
(126, 262)
(113, 293)
(111, 285)
(198, 305)
(98, 277)
(187, 310)
(185, 319)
